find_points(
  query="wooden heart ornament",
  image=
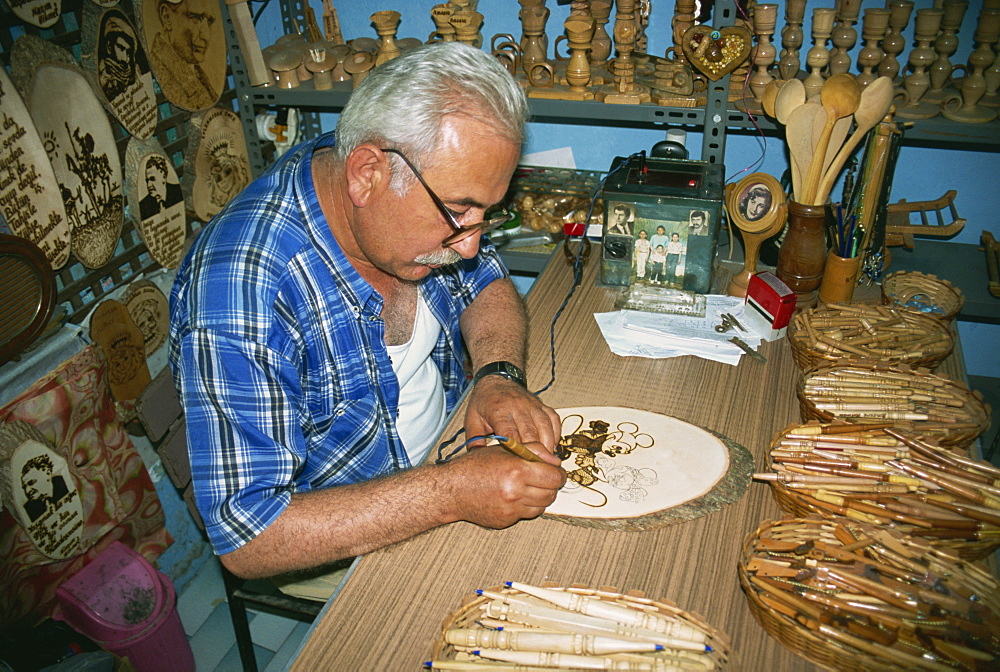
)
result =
(717, 52)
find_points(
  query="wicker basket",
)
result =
(799, 573)
(843, 333)
(473, 616)
(922, 293)
(865, 390)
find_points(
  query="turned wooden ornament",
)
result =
(386, 24)
(844, 36)
(918, 81)
(624, 90)
(945, 45)
(600, 44)
(579, 32)
(467, 25)
(764, 19)
(873, 29)
(285, 64)
(441, 15)
(533, 43)
(684, 16)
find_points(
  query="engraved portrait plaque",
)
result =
(186, 48)
(29, 194)
(112, 328)
(156, 201)
(41, 13)
(79, 144)
(216, 163)
(115, 58)
(38, 487)
(149, 309)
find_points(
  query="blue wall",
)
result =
(921, 174)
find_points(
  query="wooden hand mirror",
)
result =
(756, 206)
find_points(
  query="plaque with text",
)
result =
(155, 200)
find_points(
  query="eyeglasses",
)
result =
(461, 232)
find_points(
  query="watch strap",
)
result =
(501, 368)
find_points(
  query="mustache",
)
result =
(442, 257)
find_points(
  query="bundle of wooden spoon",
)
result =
(818, 130)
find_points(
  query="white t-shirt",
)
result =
(421, 392)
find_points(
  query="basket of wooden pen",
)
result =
(884, 475)
(840, 333)
(914, 399)
(576, 628)
(922, 293)
(851, 596)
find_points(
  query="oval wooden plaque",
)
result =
(41, 13)
(80, 146)
(112, 328)
(186, 48)
(156, 201)
(216, 163)
(29, 194)
(149, 309)
(114, 57)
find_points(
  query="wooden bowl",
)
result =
(842, 333)
(923, 293)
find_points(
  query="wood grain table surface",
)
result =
(389, 613)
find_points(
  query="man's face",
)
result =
(402, 235)
(619, 216)
(37, 484)
(156, 183)
(188, 25)
(697, 221)
(121, 51)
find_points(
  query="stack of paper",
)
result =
(631, 333)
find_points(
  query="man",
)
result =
(619, 223)
(160, 194)
(180, 49)
(117, 63)
(698, 223)
(41, 488)
(320, 323)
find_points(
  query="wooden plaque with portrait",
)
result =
(216, 162)
(79, 143)
(155, 200)
(114, 57)
(661, 223)
(186, 48)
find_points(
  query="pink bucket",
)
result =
(129, 608)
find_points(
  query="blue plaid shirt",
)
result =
(278, 351)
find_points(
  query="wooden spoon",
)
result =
(840, 97)
(799, 136)
(791, 95)
(770, 94)
(876, 99)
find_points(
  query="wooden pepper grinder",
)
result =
(873, 29)
(974, 84)
(792, 38)
(818, 57)
(945, 45)
(916, 83)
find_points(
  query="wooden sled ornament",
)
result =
(900, 231)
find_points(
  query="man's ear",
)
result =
(367, 172)
(166, 16)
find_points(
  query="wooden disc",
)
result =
(29, 295)
(156, 201)
(114, 57)
(150, 311)
(41, 13)
(216, 163)
(29, 194)
(80, 145)
(112, 328)
(37, 485)
(186, 48)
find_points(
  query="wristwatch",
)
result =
(505, 369)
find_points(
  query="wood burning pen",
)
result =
(518, 448)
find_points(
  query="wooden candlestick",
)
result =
(533, 44)
(818, 57)
(579, 33)
(624, 90)
(467, 25)
(441, 15)
(764, 19)
(684, 16)
(917, 82)
(791, 39)
(974, 84)
(844, 36)
(992, 77)
(945, 45)
(600, 44)
(894, 42)
(873, 29)
(386, 24)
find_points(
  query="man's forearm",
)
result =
(495, 325)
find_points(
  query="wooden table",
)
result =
(388, 614)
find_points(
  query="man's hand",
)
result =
(501, 406)
(494, 488)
